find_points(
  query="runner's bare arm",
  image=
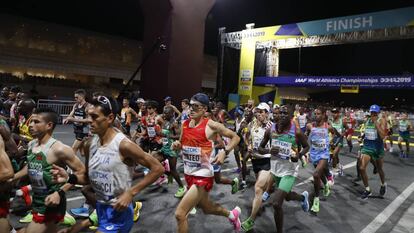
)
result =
(303, 141)
(223, 131)
(266, 137)
(6, 169)
(20, 174)
(70, 118)
(131, 151)
(381, 127)
(66, 155)
(9, 143)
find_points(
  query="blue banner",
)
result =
(376, 20)
(394, 82)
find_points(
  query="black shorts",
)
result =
(80, 136)
(150, 145)
(261, 164)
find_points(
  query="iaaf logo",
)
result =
(301, 80)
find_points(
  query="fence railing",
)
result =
(62, 107)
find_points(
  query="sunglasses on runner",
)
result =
(105, 101)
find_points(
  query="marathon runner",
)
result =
(185, 114)
(318, 132)
(110, 158)
(78, 116)
(239, 118)
(375, 131)
(337, 140)
(49, 201)
(170, 133)
(167, 101)
(7, 172)
(255, 136)
(390, 124)
(197, 134)
(349, 132)
(126, 116)
(404, 128)
(243, 133)
(284, 136)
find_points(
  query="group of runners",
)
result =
(108, 155)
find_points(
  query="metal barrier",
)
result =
(62, 107)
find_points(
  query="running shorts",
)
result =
(4, 208)
(47, 217)
(261, 165)
(284, 183)
(206, 182)
(374, 153)
(112, 221)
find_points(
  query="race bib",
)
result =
(164, 141)
(37, 182)
(319, 145)
(285, 148)
(151, 132)
(102, 181)
(256, 143)
(302, 122)
(349, 126)
(77, 118)
(371, 134)
(192, 156)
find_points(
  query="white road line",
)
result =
(75, 198)
(388, 211)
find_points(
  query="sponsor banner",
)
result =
(337, 81)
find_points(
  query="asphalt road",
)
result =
(343, 211)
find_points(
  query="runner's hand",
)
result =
(67, 120)
(123, 201)
(52, 199)
(274, 151)
(219, 159)
(176, 145)
(59, 175)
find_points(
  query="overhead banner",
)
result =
(362, 22)
(338, 81)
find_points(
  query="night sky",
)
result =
(124, 18)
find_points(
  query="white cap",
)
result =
(263, 106)
(140, 100)
(276, 106)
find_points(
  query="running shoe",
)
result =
(93, 219)
(247, 225)
(193, 211)
(265, 196)
(180, 192)
(27, 219)
(138, 207)
(315, 205)
(236, 170)
(326, 190)
(243, 185)
(366, 194)
(383, 189)
(331, 179)
(68, 220)
(304, 161)
(391, 149)
(305, 202)
(161, 180)
(236, 221)
(235, 185)
(80, 212)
